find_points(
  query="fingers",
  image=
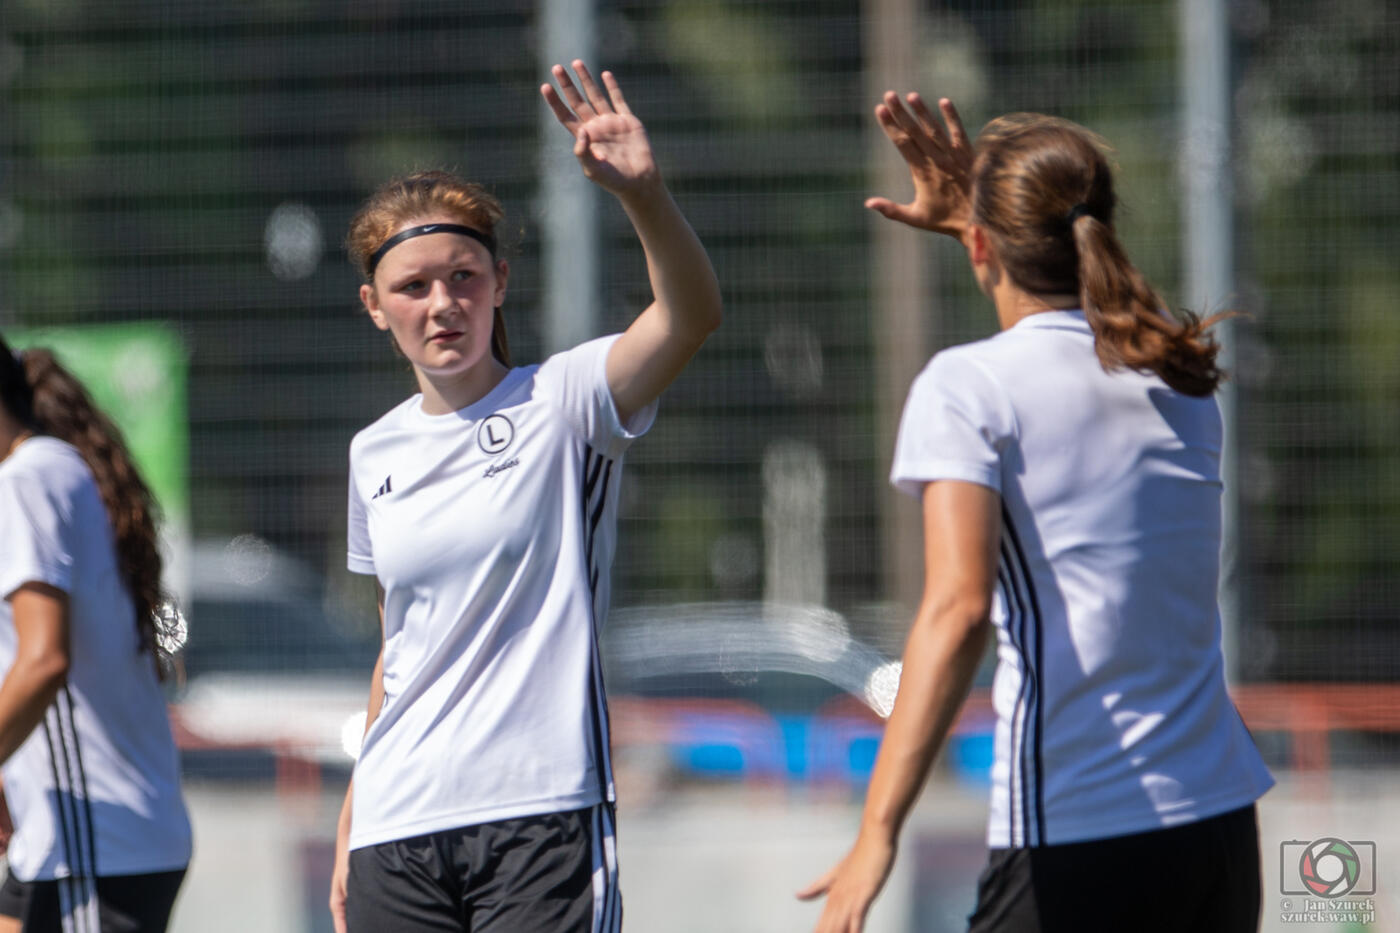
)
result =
(900, 131)
(819, 887)
(338, 911)
(955, 124)
(575, 100)
(905, 123)
(596, 98)
(592, 100)
(572, 107)
(562, 113)
(842, 918)
(337, 899)
(891, 211)
(615, 92)
(926, 120)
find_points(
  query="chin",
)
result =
(454, 364)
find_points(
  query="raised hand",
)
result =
(610, 143)
(940, 163)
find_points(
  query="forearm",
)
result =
(40, 668)
(25, 694)
(683, 280)
(940, 659)
(376, 701)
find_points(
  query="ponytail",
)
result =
(1043, 189)
(1131, 328)
(500, 346)
(54, 403)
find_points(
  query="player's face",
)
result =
(437, 295)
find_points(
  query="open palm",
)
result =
(940, 164)
(610, 142)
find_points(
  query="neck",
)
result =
(445, 394)
(12, 434)
(1014, 304)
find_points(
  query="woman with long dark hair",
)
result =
(1069, 473)
(91, 774)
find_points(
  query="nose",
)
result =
(440, 299)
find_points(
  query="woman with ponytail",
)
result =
(485, 505)
(1068, 470)
(91, 774)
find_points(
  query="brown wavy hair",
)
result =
(47, 399)
(418, 196)
(1043, 190)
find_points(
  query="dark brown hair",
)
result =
(47, 399)
(1043, 190)
(416, 197)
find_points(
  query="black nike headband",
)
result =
(485, 239)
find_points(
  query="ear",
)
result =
(502, 276)
(979, 245)
(370, 300)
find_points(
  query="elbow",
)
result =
(47, 673)
(711, 325)
(701, 320)
(966, 614)
(712, 316)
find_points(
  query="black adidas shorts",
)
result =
(1200, 876)
(111, 904)
(554, 873)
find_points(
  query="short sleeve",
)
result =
(35, 525)
(956, 424)
(577, 381)
(359, 555)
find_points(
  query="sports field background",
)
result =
(192, 166)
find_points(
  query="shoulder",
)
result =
(48, 486)
(47, 462)
(963, 384)
(587, 356)
(388, 423)
(968, 370)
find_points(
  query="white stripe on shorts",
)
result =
(607, 897)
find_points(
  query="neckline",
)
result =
(473, 412)
(1053, 318)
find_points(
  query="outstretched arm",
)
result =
(962, 525)
(940, 163)
(612, 147)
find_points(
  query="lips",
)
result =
(445, 336)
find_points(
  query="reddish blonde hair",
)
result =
(1043, 190)
(417, 196)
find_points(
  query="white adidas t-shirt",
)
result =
(95, 789)
(491, 530)
(1113, 716)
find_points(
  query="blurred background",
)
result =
(175, 182)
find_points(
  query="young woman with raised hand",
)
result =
(91, 774)
(1069, 474)
(486, 505)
